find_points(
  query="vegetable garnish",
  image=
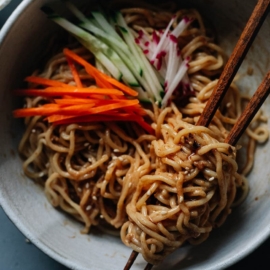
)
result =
(46, 82)
(151, 64)
(61, 91)
(96, 74)
(125, 117)
(74, 104)
(75, 73)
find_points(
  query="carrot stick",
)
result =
(52, 109)
(74, 101)
(70, 111)
(140, 121)
(43, 110)
(89, 119)
(77, 92)
(97, 74)
(77, 101)
(74, 72)
(137, 110)
(46, 82)
(106, 118)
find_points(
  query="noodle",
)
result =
(162, 190)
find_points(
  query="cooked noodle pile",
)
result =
(161, 190)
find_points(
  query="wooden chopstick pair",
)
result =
(248, 35)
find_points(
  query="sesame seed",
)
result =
(181, 199)
(114, 157)
(94, 198)
(116, 150)
(86, 144)
(187, 168)
(129, 184)
(101, 216)
(110, 165)
(120, 158)
(163, 213)
(212, 178)
(88, 208)
(148, 193)
(33, 130)
(79, 189)
(87, 185)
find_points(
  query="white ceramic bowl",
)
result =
(22, 39)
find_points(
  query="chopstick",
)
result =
(131, 260)
(250, 31)
(243, 121)
(248, 35)
(249, 112)
(239, 127)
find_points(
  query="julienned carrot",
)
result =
(91, 118)
(103, 77)
(73, 110)
(91, 96)
(104, 84)
(44, 110)
(74, 101)
(140, 121)
(77, 101)
(98, 74)
(136, 109)
(106, 118)
(76, 92)
(74, 72)
(46, 82)
(83, 109)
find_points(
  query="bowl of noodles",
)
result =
(100, 152)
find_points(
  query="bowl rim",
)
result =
(3, 203)
(255, 241)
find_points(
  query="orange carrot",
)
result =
(106, 118)
(58, 91)
(74, 101)
(83, 109)
(90, 118)
(137, 110)
(140, 121)
(97, 74)
(74, 72)
(43, 110)
(52, 109)
(46, 82)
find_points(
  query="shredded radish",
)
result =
(177, 79)
(164, 54)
